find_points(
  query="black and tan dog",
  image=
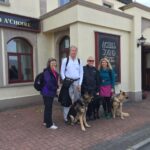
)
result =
(93, 108)
(78, 111)
(117, 104)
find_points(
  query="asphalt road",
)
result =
(127, 141)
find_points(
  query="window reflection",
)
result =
(63, 2)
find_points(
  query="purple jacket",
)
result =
(51, 83)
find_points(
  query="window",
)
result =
(5, 2)
(64, 48)
(20, 61)
(107, 5)
(63, 2)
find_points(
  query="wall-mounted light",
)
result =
(141, 41)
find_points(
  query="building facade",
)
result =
(33, 31)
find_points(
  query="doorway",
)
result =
(64, 46)
(145, 68)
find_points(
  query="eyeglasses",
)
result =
(91, 60)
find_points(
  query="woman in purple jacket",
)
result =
(49, 92)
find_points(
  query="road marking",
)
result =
(139, 145)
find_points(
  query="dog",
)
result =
(77, 111)
(93, 108)
(117, 104)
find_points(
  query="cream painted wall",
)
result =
(135, 53)
(17, 91)
(30, 8)
(45, 49)
(116, 4)
(86, 45)
(69, 16)
(52, 4)
(85, 14)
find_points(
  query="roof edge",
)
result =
(135, 4)
(86, 4)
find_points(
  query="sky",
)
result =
(144, 2)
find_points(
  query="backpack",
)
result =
(39, 81)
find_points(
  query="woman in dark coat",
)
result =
(49, 92)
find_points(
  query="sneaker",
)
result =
(54, 127)
(44, 124)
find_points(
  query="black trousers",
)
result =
(107, 104)
(48, 103)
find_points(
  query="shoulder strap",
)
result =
(79, 61)
(67, 63)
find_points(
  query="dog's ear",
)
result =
(124, 93)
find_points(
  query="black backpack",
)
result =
(39, 81)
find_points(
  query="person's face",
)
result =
(104, 64)
(73, 52)
(90, 62)
(53, 64)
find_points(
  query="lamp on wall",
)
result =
(141, 41)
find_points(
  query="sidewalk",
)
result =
(21, 129)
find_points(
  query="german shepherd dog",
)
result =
(93, 108)
(78, 111)
(117, 104)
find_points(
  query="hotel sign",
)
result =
(108, 45)
(19, 22)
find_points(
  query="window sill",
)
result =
(5, 3)
(17, 85)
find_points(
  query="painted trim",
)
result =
(135, 4)
(86, 4)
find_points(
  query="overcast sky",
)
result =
(145, 2)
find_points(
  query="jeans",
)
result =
(48, 102)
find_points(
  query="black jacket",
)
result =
(90, 79)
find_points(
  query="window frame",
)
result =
(5, 2)
(19, 54)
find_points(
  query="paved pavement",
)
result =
(21, 129)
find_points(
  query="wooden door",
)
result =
(146, 68)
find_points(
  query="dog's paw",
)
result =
(88, 126)
(83, 129)
(122, 118)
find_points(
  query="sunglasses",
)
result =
(91, 60)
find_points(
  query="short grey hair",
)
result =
(72, 46)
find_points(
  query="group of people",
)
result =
(99, 82)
